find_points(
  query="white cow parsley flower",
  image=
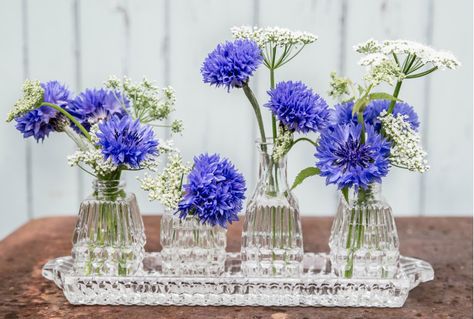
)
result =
(32, 98)
(405, 151)
(424, 54)
(283, 143)
(149, 102)
(273, 35)
(94, 159)
(381, 69)
(166, 187)
(339, 86)
(278, 45)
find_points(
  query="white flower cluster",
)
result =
(94, 159)
(339, 86)
(32, 97)
(273, 35)
(283, 143)
(424, 53)
(149, 102)
(406, 151)
(166, 187)
(381, 69)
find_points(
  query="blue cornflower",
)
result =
(342, 113)
(298, 107)
(345, 161)
(126, 141)
(231, 64)
(215, 191)
(37, 123)
(94, 105)
(375, 107)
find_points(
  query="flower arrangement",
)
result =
(294, 107)
(111, 126)
(346, 151)
(113, 130)
(214, 191)
(368, 134)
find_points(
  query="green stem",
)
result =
(69, 116)
(303, 139)
(272, 86)
(419, 75)
(253, 101)
(395, 95)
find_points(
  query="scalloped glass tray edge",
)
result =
(317, 287)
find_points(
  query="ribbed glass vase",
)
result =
(109, 237)
(364, 240)
(272, 241)
(190, 248)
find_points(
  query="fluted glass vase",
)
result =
(364, 240)
(109, 237)
(272, 241)
(191, 248)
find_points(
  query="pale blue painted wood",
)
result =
(13, 194)
(51, 57)
(168, 40)
(448, 187)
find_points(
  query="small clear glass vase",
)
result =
(109, 237)
(364, 240)
(272, 241)
(191, 248)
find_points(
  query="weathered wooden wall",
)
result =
(82, 42)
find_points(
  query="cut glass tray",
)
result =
(318, 286)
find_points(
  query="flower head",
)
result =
(298, 107)
(424, 53)
(231, 64)
(339, 86)
(406, 151)
(126, 141)
(214, 192)
(148, 102)
(376, 107)
(347, 162)
(342, 113)
(273, 35)
(166, 187)
(94, 105)
(32, 97)
(39, 122)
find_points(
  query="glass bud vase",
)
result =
(109, 237)
(190, 248)
(364, 240)
(272, 241)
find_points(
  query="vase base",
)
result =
(316, 286)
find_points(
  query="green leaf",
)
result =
(360, 105)
(382, 96)
(305, 173)
(345, 193)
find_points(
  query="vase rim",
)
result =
(269, 140)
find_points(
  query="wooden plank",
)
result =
(13, 160)
(445, 242)
(449, 137)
